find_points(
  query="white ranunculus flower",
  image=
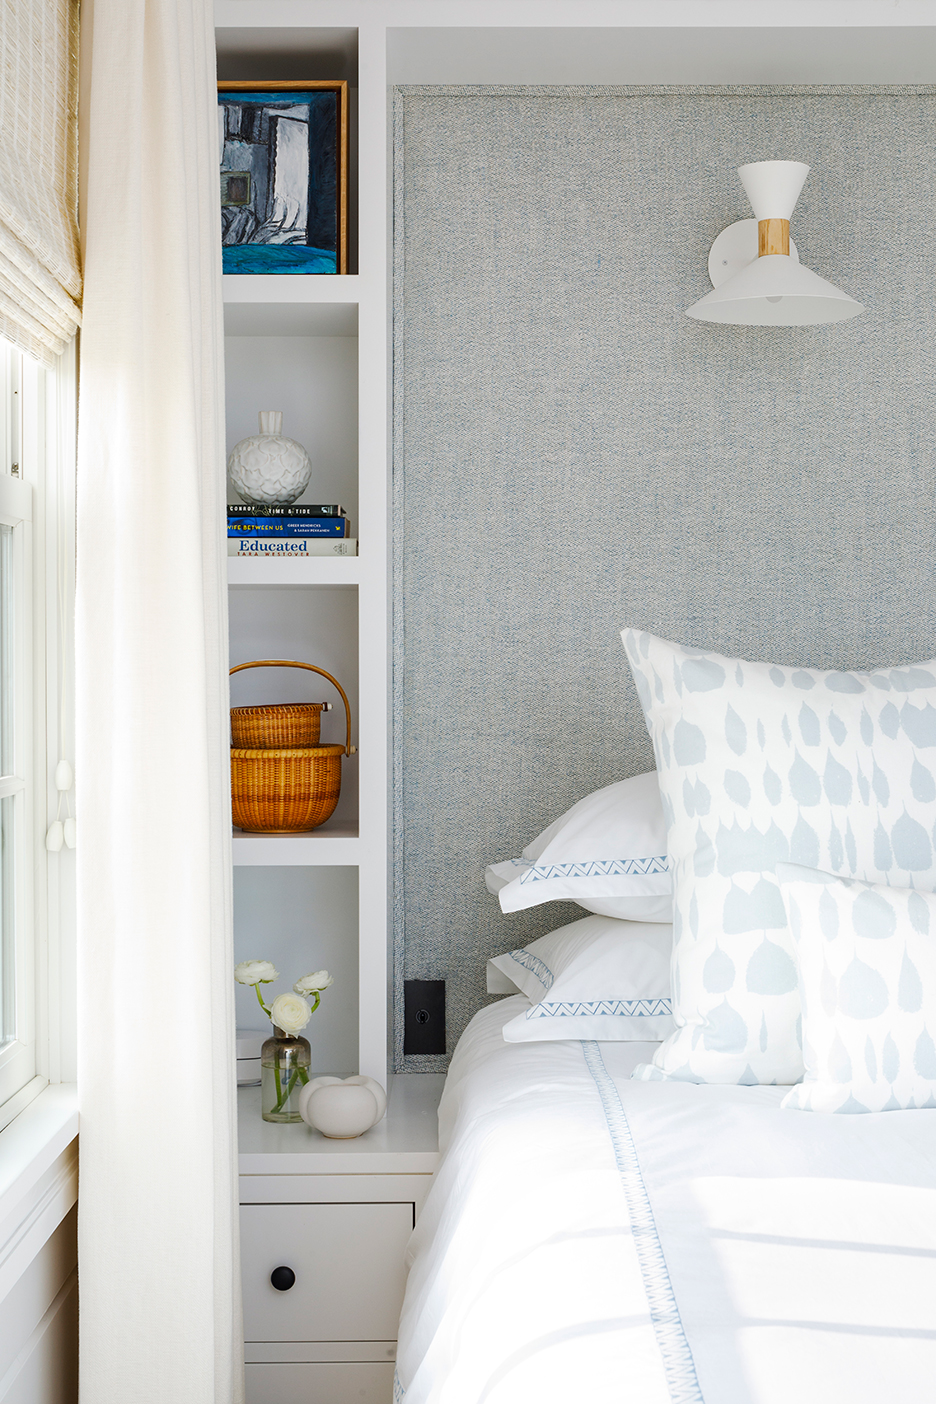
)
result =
(310, 984)
(290, 1013)
(255, 972)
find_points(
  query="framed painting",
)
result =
(284, 177)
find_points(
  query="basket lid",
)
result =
(264, 709)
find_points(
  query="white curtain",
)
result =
(40, 281)
(157, 1209)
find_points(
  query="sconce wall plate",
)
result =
(734, 249)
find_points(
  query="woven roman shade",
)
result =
(40, 279)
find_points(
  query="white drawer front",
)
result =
(348, 1262)
(319, 1384)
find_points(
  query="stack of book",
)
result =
(289, 531)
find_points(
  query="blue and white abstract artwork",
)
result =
(281, 179)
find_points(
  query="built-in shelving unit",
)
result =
(315, 347)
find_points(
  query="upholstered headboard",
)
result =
(573, 454)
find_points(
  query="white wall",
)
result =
(303, 919)
(39, 1325)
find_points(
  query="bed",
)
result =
(745, 1211)
(591, 1237)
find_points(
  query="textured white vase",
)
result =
(340, 1109)
(268, 469)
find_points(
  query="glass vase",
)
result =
(284, 1071)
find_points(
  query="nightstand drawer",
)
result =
(348, 1266)
(320, 1384)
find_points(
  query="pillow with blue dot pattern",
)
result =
(759, 765)
(867, 963)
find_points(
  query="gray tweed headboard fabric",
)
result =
(573, 454)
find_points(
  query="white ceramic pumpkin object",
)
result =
(268, 469)
(340, 1109)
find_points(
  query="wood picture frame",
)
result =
(284, 177)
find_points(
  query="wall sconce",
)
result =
(756, 274)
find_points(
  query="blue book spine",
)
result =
(288, 526)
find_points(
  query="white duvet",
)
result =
(589, 1238)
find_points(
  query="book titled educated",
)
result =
(289, 546)
(289, 526)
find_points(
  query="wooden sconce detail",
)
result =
(773, 237)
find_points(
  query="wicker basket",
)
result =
(284, 789)
(281, 727)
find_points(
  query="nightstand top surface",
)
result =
(406, 1142)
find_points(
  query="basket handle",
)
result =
(290, 663)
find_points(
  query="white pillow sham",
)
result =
(867, 978)
(607, 853)
(596, 978)
(760, 764)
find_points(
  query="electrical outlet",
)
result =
(424, 1016)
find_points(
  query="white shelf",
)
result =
(317, 570)
(334, 845)
(291, 319)
(296, 288)
(290, 305)
(406, 1142)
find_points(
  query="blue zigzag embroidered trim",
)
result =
(630, 1008)
(537, 967)
(598, 867)
(678, 1364)
(398, 1390)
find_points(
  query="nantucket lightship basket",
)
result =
(284, 782)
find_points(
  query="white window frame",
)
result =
(18, 1056)
(37, 468)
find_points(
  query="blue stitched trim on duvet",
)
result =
(678, 1364)
(598, 867)
(536, 966)
(626, 1008)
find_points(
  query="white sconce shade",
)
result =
(775, 291)
(773, 187)
(758, 280)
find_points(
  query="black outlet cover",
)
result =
(423, 1016)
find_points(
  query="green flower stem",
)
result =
(261, 1003)
(282, 1097)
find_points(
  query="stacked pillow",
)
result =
(762, 765)
(595, 978)
(607, 853)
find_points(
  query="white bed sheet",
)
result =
(592, 1238)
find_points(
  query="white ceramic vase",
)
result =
(342, 1110)
(266, 468)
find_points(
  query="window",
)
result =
(36, 447)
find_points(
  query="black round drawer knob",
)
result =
(282, 1278)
